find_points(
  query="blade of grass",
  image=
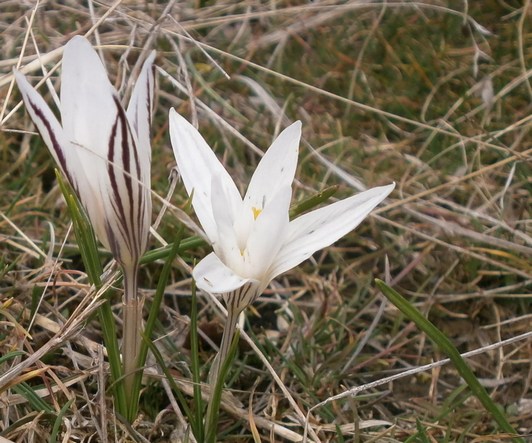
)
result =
(6, 267)
(36, 294)
(59, 419)
(420, 436)
(152, 317)
(84, 234)
(211, 423)
(10, 355)
(197, 423)
(161, 253)
(22, 422)
(160, 361)
(89, 254)
(313, 201)
(36, 402)
(448, 348)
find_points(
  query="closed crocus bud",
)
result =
(102, 149)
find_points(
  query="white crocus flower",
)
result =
(253, 239)
(104, 151)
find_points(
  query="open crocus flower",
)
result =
(102, 149)
(252, 237)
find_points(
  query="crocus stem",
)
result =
(132, 331)
(214, 377)
(227, 338)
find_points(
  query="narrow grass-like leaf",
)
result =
(6, 267)
(36, 402)
(448, 348)
(313, 201)
(162, 253)
(89, 254)
(132, 434)
(150, 323)
(10, 355)
(16, 198)
(84, 233)
(36, 294)
(190, 243)
(160, 361)
(28, 418)
(59, 419)
(197, 422)
(216, 393)
(453, 400)
(339, 435)
(420, 436)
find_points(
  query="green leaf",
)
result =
(162, 253)
(10, 355)
(160, 361)
(197, 419)
(59, 419)
(312, 202)
(448, 348)
(89, 253)
(36, 402)
(150, 322)
(216, 393)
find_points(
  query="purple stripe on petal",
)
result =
(55, 144)
(128, 147)
(116, 199)
(149, 89)
(241, 297)
(114, 244)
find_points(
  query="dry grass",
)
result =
(415, 92)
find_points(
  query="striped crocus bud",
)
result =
(103, 149)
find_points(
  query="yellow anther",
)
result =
(256, 212)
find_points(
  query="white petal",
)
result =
(88, 102)
(64, 153)
(224, 212)
(322, 227)
(88, 114)
(276, 169)
(197, 165)
(213, 276)
(268, 234)
(51, 132)
(140, 109)
(139, 115)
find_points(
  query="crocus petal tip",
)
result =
(177, 119)
(20, 79)
(296, 127)
(78, 43)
